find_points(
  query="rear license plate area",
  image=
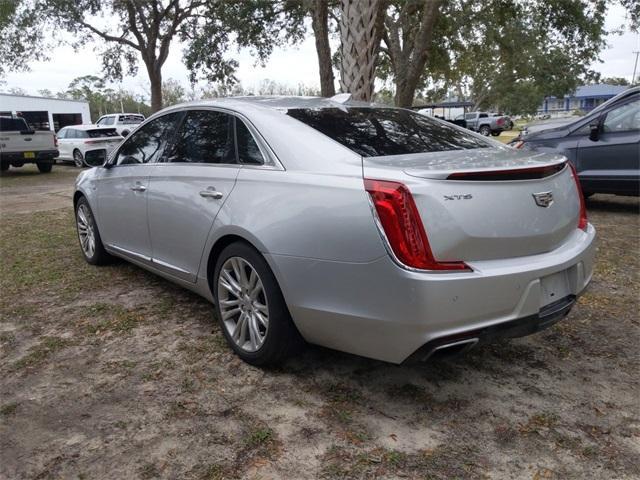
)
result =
(554, 287)
(29, 155)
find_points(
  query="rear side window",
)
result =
(103, 132)
(147, 144)
(130, 119)
(206, 136)
(106, 121)
(12, 124)
(373, 132)
(248, 150)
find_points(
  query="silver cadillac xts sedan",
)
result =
(371, 230)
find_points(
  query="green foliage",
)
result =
(613, 80)
(103, 99)
(507, 54)
(145, 31)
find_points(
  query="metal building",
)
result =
(44, 113)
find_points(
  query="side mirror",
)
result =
(594, 132)
(95, 158)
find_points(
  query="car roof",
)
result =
(274, 103)
(116, 114)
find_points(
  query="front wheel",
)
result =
(44, 167)
(485, 130)
(89, 236)
(78, 159)
(251, 309)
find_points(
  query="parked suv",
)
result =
(20, 144)
(122, 122)
(484, 123)
(77, 141)
(604, 145)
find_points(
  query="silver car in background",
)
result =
(375, 231)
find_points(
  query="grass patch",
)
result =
(8, 409)
(41, 352)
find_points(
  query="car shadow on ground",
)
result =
(613, 203)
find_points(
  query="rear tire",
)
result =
(78, 159)
(89, 236)
(485, 130)
(495, 134)
(253, 340)
(44, 167)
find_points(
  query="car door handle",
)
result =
(138, 188)
(211, 192)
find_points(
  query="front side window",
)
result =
(106, 121)
(206, 136)
(248, 150)
(625, 118)
(147, 144)
(373, 132)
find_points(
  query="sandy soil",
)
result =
(114, 373)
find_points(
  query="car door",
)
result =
(188, 188)
(122, 189)
(610, 161)
(62, 142)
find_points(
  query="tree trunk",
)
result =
(155, 77)
(320, 25)
(408, 40)
(360, 41)
(405, 91)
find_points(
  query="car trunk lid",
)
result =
(487, 203)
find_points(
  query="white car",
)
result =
(76, 141)
(122, 122)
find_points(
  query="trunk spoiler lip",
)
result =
(523, 173)
(493, 173)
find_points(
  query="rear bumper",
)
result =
(548, 316)
(19, 157)
(382, 311)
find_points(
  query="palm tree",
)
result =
(360, 34)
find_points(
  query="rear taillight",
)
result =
(55, 140)
(582, 222)
(402, 226)
(500, 121)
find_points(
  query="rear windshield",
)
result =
(103, 132)
(373, 132)
(12, 124)
(130, 119)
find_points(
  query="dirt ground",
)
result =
(114, 373)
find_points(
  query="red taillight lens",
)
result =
(403, 227)
(582, 222)
(55, 140)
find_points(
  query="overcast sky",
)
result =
(290, 65)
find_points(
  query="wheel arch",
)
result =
(221, 242)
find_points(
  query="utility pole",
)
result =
(633, 79)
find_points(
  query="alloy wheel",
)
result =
(85, 231)
(243, 304)
(77, 159)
